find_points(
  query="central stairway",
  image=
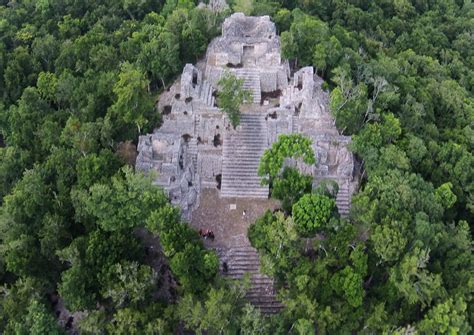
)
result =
(251, 79)
(241, 156)
(242, 260)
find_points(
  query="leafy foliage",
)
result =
(293, 146)
(290, 187)
(312, 213)
(231, 95)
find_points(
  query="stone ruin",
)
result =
(215, 5)
(196, 148)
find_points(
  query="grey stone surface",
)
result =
(249, 48)
(196, 146)
(215, 5)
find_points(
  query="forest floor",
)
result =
(229, 225)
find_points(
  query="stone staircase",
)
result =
(205, 93)
(245, 259)
(343, 199)
(241, 156)
(251, 79)
(294, 125)
(193, 152)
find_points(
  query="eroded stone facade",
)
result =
(187, 151)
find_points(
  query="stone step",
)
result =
(206, 92)
(238, 144)
(247, 186)
(244, 250)
(251, 141)
(253, 179)
(239, 267)
(254, 185)
(343, 200)
(240, 160)
(252, 83)
(239, 155)
(245, 194)
(265, 300)
(248, 134)
(252, 153)
(237, 167)
(244, 159)
(245, 260)
(247, 155)
(239, 170)
(257, 118)
(245, 148)
(241, 191)
(250, 189)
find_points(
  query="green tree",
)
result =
(96, 168)
(244, 6)
(294, 146)
(38, 321)
(126, 203)
(216, 313)
(290, 187)
(253, 322)
(312, 213)
(448, 317)
(231, 96)
(133, 105)
(129, 283)
(158, 57)
(305, 33)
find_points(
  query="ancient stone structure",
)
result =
(196, 148)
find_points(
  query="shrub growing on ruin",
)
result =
(312, 213)
(231, 95)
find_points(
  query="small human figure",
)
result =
(210, 234)
(225, 267)
(244, 214)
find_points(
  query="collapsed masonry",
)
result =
(196, 148)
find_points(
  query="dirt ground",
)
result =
(229, 225)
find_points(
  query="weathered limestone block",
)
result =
(345, 163)
(191, 80)
(269, 81)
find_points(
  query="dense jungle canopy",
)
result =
(78, 85)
